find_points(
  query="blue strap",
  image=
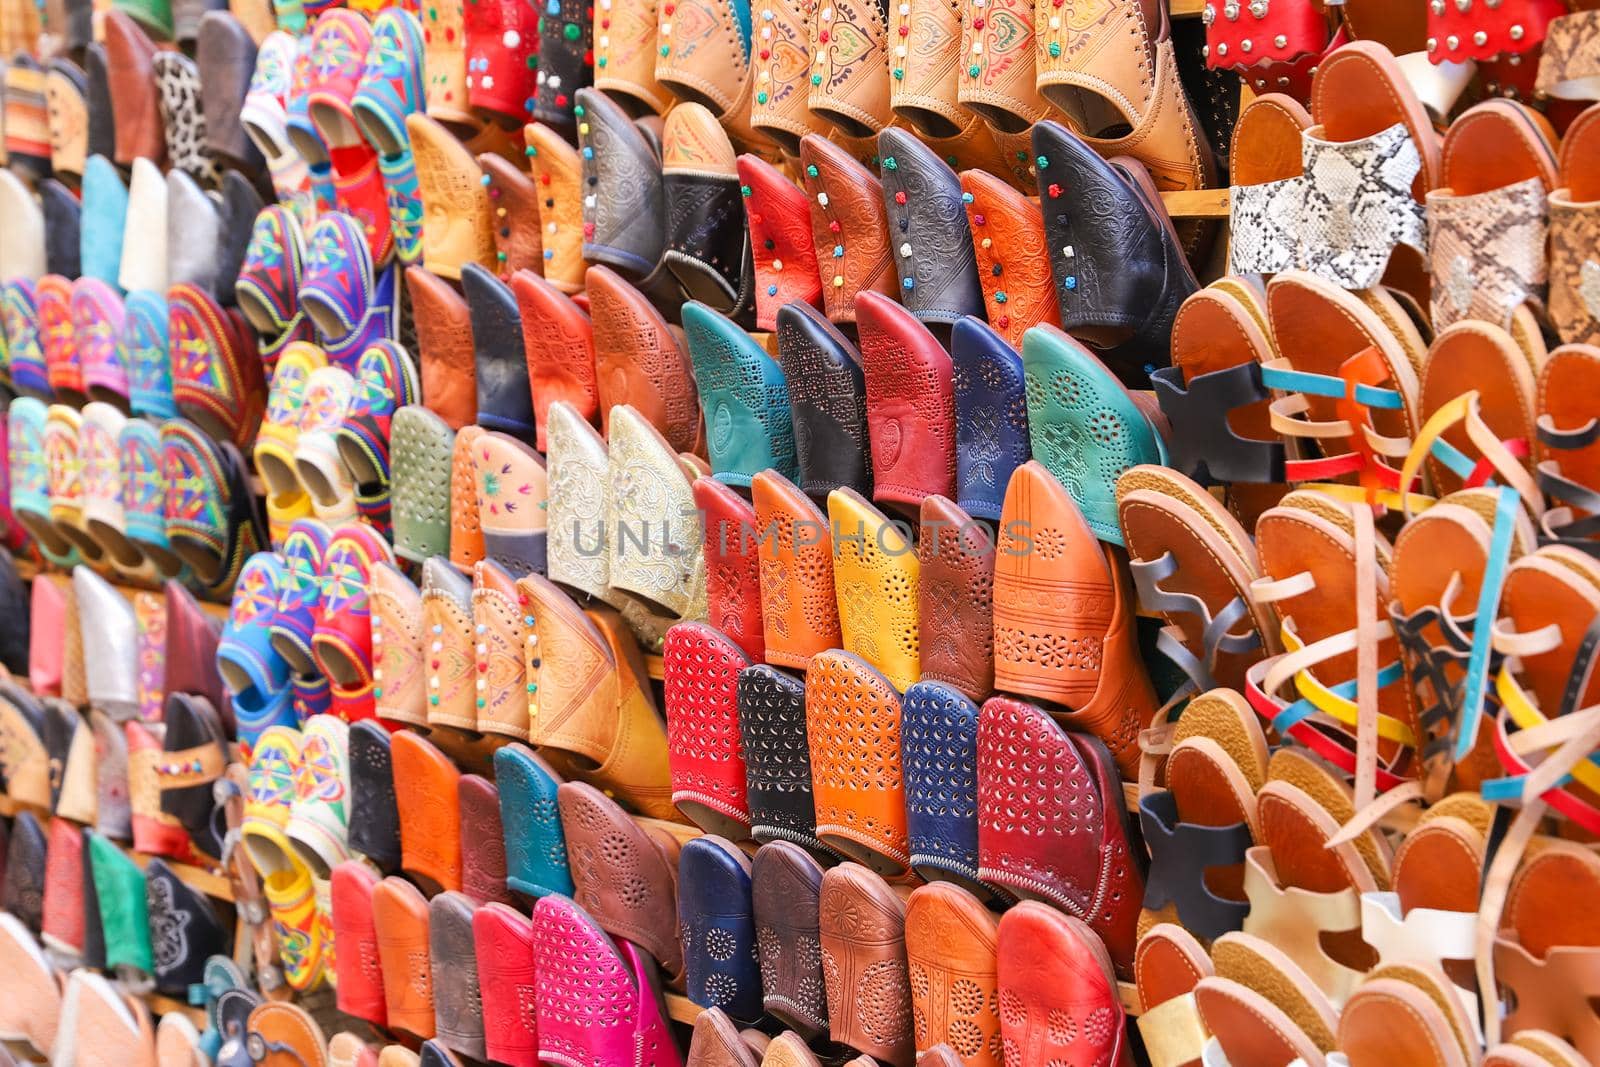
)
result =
(1494, 576)
(1299, 381)
(1303, 709)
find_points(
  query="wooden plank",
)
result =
(160, 1005)
(1186, 9)
(212, 885)
(1197, 204)
(681, 1009)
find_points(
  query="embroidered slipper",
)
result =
(211, 518)
(1167, 967)
(342, 638)
(25, 364)
(1013, 268)
(294, 617)
(63, 428)
(256, 674)
(58, 339)
(1574, 221)
(103, 516)
(264, 115)
(218, 379)
(269, 281)
(317, 465)
(286, 410)
(348, 295)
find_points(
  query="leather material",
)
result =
(183, 121)
(1051, 966)
(876, 575)
(358, 968)
(733, 575)
(420, 446)
(1099, 674)
(717, 1042)
(863, 937)
(848, 226)
(700, 667)
(108, 644)
(217, 377)
(745, 398)
(61, 228)
(596, 1004)
(800, 615)
(386, 380)
(1072, 391)
(342, 639)
(503, 943)
(640, 456)
(123, 914)
(640, 362)
(61, 724)
(400, 915)
(499, 77)
(1009, 239)
(784, 255)
(707, 54)
(444, 343)
(707, 241)
(1028, 764)
(624, 876)
(291, 1036)
(535, 842)
(853, 728)
(933, 253)
(517, 240)
(399, 691)
(144, 237)
(939, 747)
(62, 915)
(567, 60)
(827, 392)
(374, 814)
(991, 415)
(512, 494)
(269, 280)
(849, 46)
(154, 831)
(483, 846)
(349, 295)
(719, 929)
(184, 929)
(102, 139)
(294, 621)
(194, 754)
(1128, 273)
(447, 624)
(445, 61)
(33, 1011)
(22, 254)
(457, 1004)
(910, 403)
(785, 897)
(429, 809)
(105, 212)
(558, 338)
(112, 813)
(624, 210)
(558, 171)
(226, 54)
(955, 598)
(466, 532)
(950, 955)
(192, 647)
(65, 86)
(22, 885)
(458, 222)
(504, 399)
(625, 55)
(780, 110)
(136, 101)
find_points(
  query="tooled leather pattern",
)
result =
(997, 39)
(1487, 252)
(991, 426)
(701, 679)
(566, 61)
(910, 409)
(782, 63)
(849, 47)
(924, 48)
(623, 206)
(577, 508)
(706, 225)
(864, 966)
(621, 878)
(466, 534)
(953, 1002)
(933, 239)
(421, 485)
(939, 744)
(799, 611)
(848, 230)
(772, 733)
(457, 1004)
(638, 362)
(828, 401)
(956, 588)
(1021, 292)
(787, 941)
(853, 726)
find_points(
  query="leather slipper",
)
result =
(733, 582)
(910, 403)
(848, 226)
(785, 263)
(941, 802)
(448, 177)
(625, 55)
(707, 245)
(624, 211)
(744, 396)
(701, 670)
(1000, 78)
(558, 172)
(558, 337)
(800, 613)
(420, 445)
(863, 931)
(640, 361)
(641, 455)
(875, 582)
(1053, 965)
(502, 697)
(1013, 269)
(445, 356)
(786, 897)
(955, 602)
(828, 401)
(772, 730)
(466, 530)
(535, 844)
(503, 944)
(715, 911)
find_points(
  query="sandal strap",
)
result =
(1217, 634)
(1204, 444)
(1180, 855)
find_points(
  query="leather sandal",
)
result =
(1572, 215)
(1563, 451)
(1167, 966)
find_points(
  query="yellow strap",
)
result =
(1527, 716)
(1341, 708)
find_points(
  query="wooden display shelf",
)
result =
(1186, 9)
(1197, 204)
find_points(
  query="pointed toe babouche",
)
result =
(1063, 618)
(744, 395)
